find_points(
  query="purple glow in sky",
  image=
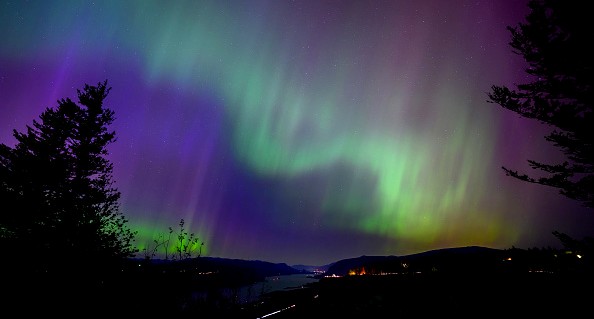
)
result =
(298, 131)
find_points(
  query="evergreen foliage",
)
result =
(555, 42)
(60, 206)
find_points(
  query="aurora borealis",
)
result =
(298, 131)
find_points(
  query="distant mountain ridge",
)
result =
(228, 265)
(258, 267)
(469, 259)
(444, 259)
(448, 259)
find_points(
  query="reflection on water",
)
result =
(254, 291)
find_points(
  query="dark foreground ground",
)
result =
(531, 295)
(528, 295)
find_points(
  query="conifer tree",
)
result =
(60, 206)
(556, 41)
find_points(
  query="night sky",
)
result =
(299, 131)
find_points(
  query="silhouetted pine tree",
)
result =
(556, 43)
(60, 209)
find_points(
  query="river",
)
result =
(254, 291)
